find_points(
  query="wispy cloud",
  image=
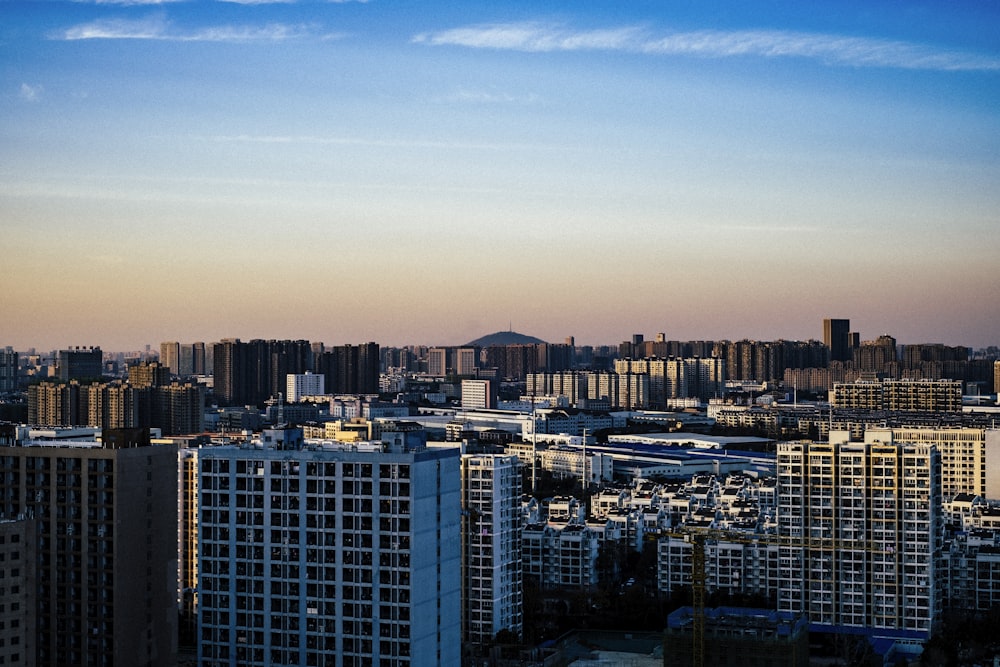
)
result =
(158, 28)
(377, 143)
(127, 3)
(833, 49)
(488, 97)
(30, 93)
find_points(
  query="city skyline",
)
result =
(420, 174)
(331, 342)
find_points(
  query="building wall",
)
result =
(106, 517)
(491, 547)
(337, 555)
(17, 588)
(868, 521)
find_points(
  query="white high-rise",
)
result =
(298, 385)
(491, 547)
(329, 554)
(863, 523)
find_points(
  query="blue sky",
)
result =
(413, 172)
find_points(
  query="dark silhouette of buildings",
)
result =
(836, 336)
(350, 369)
(250, 373)
(79, 363)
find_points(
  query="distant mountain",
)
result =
(504, 338)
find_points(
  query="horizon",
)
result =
(154, 347)
(386, 171)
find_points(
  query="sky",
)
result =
(430, 172)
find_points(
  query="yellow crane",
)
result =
(698, 536)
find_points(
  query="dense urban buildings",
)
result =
(106, 571)
(387, 524)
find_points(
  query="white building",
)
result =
(491, 547)
(298, 385)
(477, 395)
(335, 554)
(865, 531)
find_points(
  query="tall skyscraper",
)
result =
(865, 531)
(106, 519)
(328, 554)
(491, 547)
(836, 337)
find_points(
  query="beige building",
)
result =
(970, 457)
(899, 395)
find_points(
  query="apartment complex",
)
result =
(321, 553)
(105, 515)
(865, 534)
(491, 547)
(175, 408)
(899, 395)
(970, 457)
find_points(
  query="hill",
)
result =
(504, 338)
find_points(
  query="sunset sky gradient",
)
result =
(429, 172)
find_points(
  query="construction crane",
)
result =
(697, 537)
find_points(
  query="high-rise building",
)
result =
(337, 554)
(106, 520)
(466, 361)
(187, 545)
(836, 336)
(865, 534)
(899, 395)
(252, 372)
(437, 361)
(491, 547)
(967, 454)
(8, 370)
(351, 369)
(151, 374)
(178, 409)
(80, 363)
(170, 354)
(304, 384)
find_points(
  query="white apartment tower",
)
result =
(491, 547)
(337, 554)
(298, 385)
(864, 531)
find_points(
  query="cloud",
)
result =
(157, 28)
(488, 97)
(376, 143)
(533, 37)
(833, 49)
(30, 93)
(128, 3)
